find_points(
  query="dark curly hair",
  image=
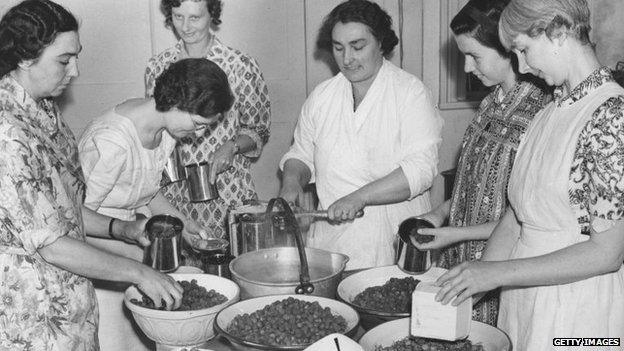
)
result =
(479, 19)
(193, 85)
(28, 28)
(214, 9)
(360, 11)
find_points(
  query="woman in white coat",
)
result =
(368, 138)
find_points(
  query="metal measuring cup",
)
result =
(409, 258)
(199, 186)
(164, 232)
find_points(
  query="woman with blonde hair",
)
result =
(558, 253)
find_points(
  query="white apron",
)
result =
(538, 192)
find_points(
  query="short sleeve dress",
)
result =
(568, 182)
(120, 173)
(42, 307)
(249, 116)
(487, 156)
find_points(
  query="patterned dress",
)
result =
(42, 307)
(249, 116)
(568, 182)
(480, 190)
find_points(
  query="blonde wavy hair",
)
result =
(552, 17)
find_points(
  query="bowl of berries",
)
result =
(284, 322)
(382, 294)
(192, 324)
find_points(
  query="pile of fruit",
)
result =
(194, 297)
(423, 344)
(287, 322)
(395, 296)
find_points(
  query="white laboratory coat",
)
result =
(395, 125)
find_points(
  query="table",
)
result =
(220, 343)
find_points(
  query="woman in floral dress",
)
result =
(231, 144)
(557, 254)
(480, 193)
(46, 300)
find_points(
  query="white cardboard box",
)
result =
(431, 319)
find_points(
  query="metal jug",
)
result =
(173, 168)
(258, 231)
(214, 256)
(199, 187)
(164, 233)
(409, 258)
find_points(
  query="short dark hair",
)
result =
(214, 9)
(193, 85)
(28, 28)
(479, 19)
(360, 11)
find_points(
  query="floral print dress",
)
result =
(480, 191)
(42, 307)
(249, 116)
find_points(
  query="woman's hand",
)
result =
(132, 232)
(221, 160)
(435, 217)
(346, 208)
(467, 279)
(160, 287)
(193, 228)
(442, 237)
(292, 192)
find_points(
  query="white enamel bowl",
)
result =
(384, 335)
(182, 328)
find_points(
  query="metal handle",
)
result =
(304, 287)
(322, 214)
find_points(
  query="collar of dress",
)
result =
(597, 78)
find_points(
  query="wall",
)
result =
(118, 37)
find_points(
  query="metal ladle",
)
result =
(286, 220)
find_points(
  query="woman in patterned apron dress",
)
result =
(46, 300)
(489, 147)
(230, 145)
(559, 250)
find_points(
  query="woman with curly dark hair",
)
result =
(368, 137)
(124, 152)
(233, 143)
(47, 302)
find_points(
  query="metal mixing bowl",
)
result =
(276, 271)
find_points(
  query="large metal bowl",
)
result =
(276, 271)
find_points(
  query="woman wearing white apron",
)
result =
(559, 252)
(368, 138)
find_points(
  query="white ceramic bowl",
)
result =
(225, 316)
(356, 283)
(182, 328)
(384, 335)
